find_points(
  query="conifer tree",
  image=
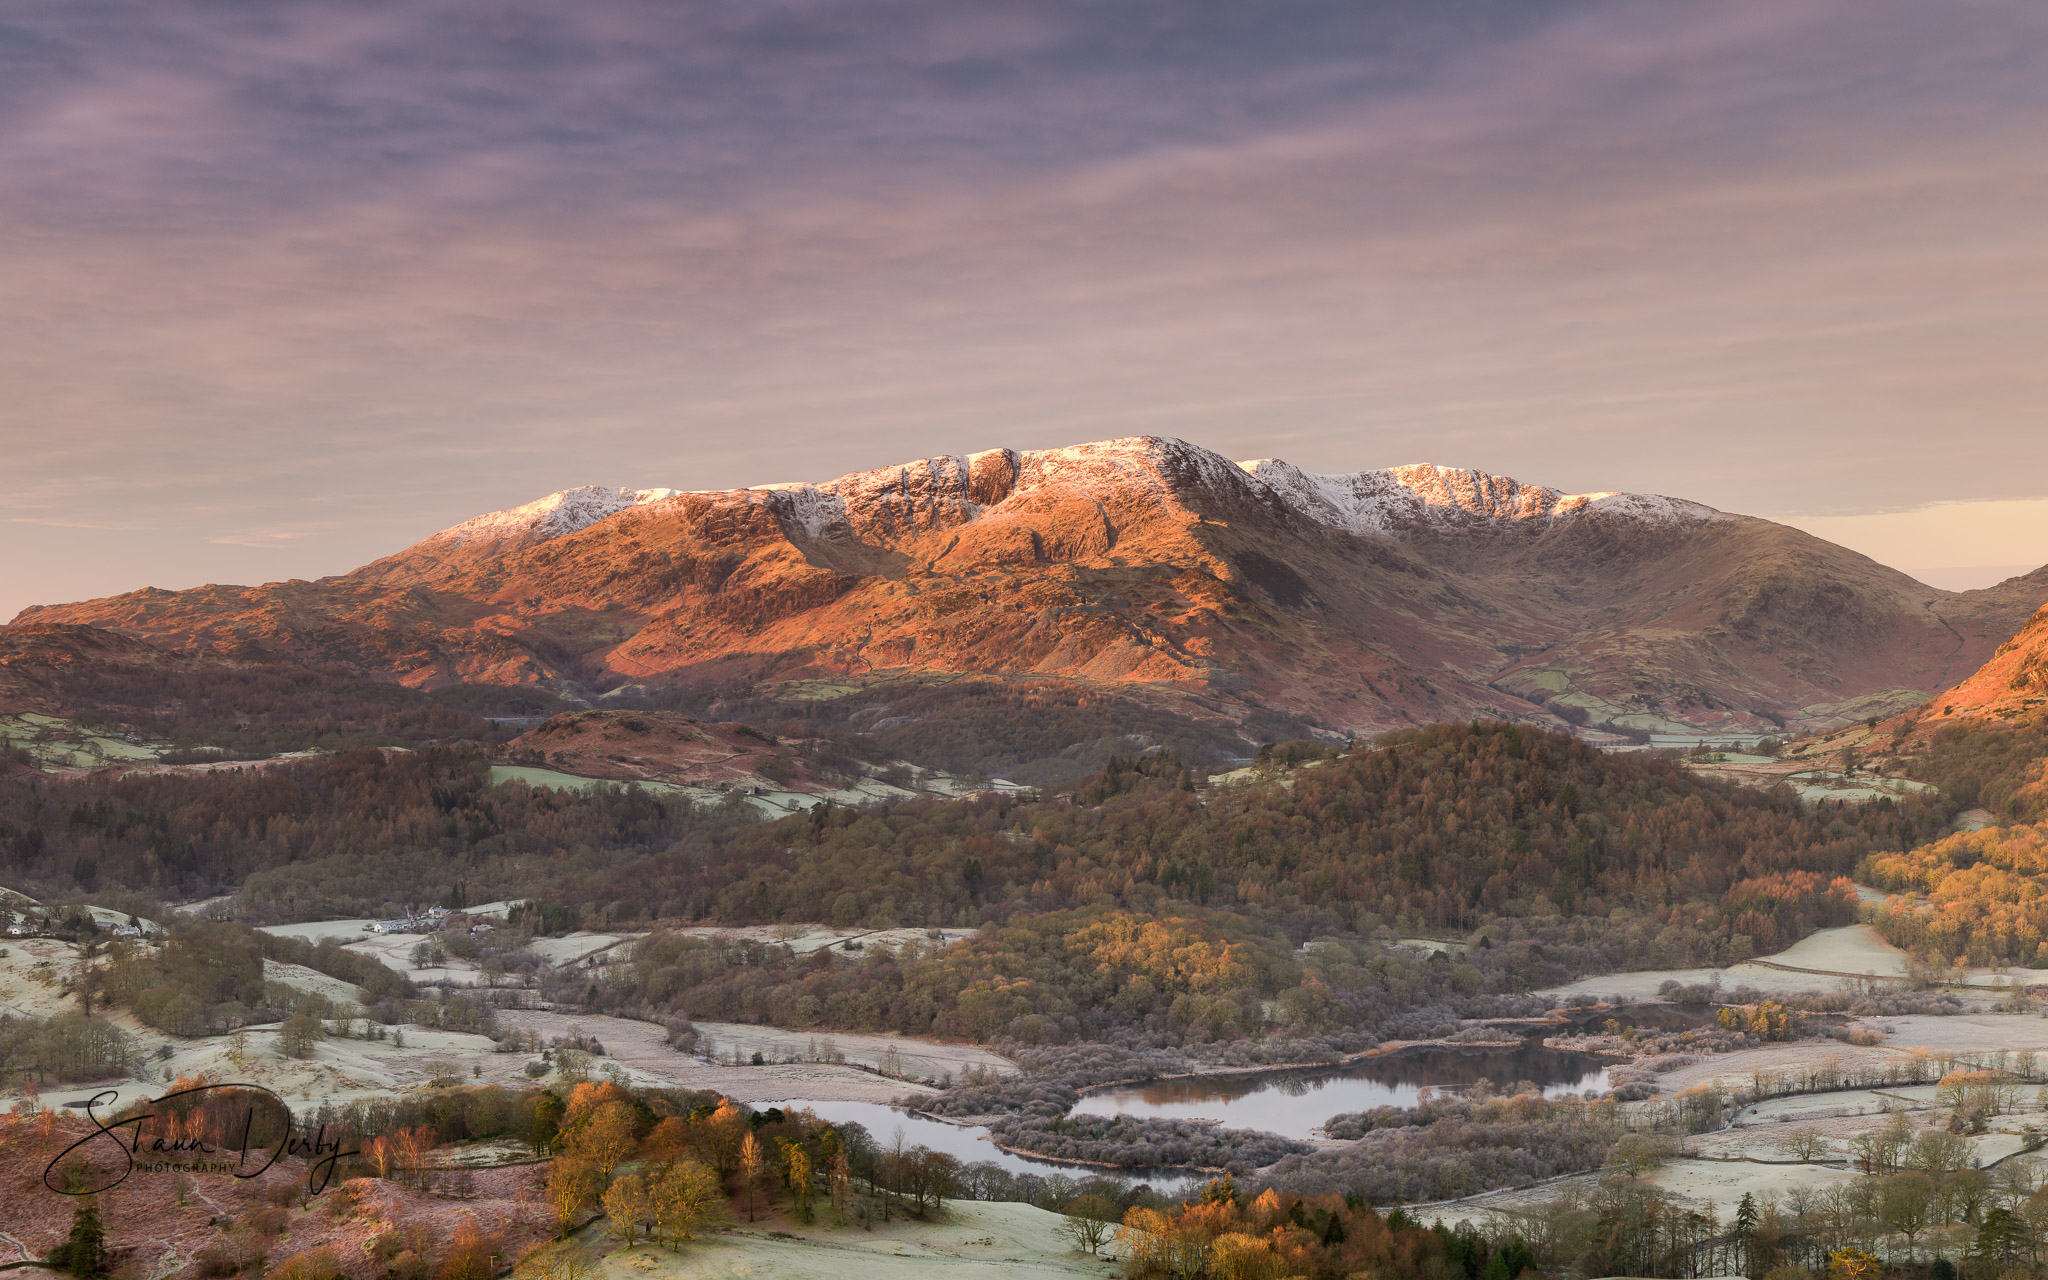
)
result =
(84, 1251)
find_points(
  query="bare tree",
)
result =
(1804, 1144)
(1091, 1220)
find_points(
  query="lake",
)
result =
(1295, 1104)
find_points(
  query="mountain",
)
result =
(1146, 569)
(41, 664)
(2011, 684)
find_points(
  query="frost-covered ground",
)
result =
(642, 1050)
(770, 802)
(1856, 948)
(1818, 963)
(1809, 777)
(312, 981)
(347, 931)
(803, 939)
(1814, 964)
(975, 1240)
(393, 950)
(1752, 1157)
(338, 1068)
(33, 973)
(898, 1055)
(1736, 1070)
(408, 1056)
(578, 947)
(1967, 1031)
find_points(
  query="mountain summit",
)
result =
(1146, 566)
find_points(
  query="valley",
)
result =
(1026, 943)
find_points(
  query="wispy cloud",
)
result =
(412, 262)
(273, 537)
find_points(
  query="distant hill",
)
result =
(1144, 570)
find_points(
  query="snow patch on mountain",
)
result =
(551, 517)
(948, 489)
(942, 490)
(883, 502)
(1161, 463)
(1400, 497)
(814, 509)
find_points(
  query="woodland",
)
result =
(1144, 901)
(1996, 767)
(1447, 827)
(1976, 897)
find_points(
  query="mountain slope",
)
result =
(2012, 683)
(1148, 566)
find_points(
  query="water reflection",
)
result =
(1294, 1104)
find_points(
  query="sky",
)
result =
(285, 287)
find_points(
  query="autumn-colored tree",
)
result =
(628, 1206)
(605, 1138)
(1240, 1256)
(559, 1260)
(796, 1164)
(472, 1253)
(839, 1183)
(687, 1199)
(1163, 1244)
(314, 1264)
(719, 1136)
(666, 1142)
(587, 1099)
(409, 1148)
(1854, 1264)
(1283, 1235)
(1981, 896)
(573, 1183)
(753, 1165)
(1986, 1093)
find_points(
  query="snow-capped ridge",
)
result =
(558, 514)
(1387, 500)
(951, 489)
